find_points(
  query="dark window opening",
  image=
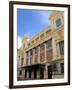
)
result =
(35, 74)
(20, 72)
(54, 67)
(50, 72)
(61, 46)
(29, 73)
(25, 73)
(58, 22)
(41, 73)
(31, 52)
(36, 50)
(62, 67)
(27, 54)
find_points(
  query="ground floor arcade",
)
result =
(41, 71)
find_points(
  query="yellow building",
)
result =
(42, 56)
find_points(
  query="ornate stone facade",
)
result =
(42, 57)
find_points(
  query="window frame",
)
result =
(59, 25)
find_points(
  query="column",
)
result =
(46, 72)
(54, 49)
(39, 54)
(45, 53)
(23, 73)
(59, 67)
(58, 50)
(38, 74)
(32, 74)
(27, 74)
(24, 63)
(33, 55)
(17, 61)
(20, 62)
(29, 58)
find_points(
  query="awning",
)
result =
(34, 66)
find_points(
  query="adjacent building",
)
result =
(42, 56)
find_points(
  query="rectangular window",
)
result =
(49, 43)
(31, 58)
(58, 22)
(42, 57)
(25, 73)
(49, 54)
(36, 58)
(31, 52)
(61, 46)
(42, 47)
(20, 72)
(54, 67)
(26, 60)
(36, 50)
(22, 61)
(62, 67)
(27, 57)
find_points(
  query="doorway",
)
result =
(41, 73)
(35, 74)
(25, 74)
(29, 73)
(50, 72)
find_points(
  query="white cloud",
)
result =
(19, 43)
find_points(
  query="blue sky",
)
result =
(30, 22)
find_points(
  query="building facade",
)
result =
(42, 56)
